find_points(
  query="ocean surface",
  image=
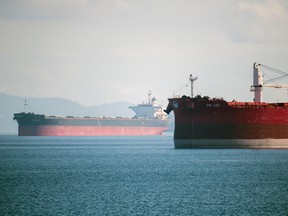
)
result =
(137, 176)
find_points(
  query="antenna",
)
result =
(192, 79)
(149, 96)
(25, 104)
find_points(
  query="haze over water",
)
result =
(137, 176)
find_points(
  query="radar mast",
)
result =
(25, 104)
(192, 79)
(149, 96)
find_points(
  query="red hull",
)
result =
(200, 122)
(88, 131)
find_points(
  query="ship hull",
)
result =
(46, 130)
(30, 124)
(203, 123)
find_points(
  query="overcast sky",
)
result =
(100, 51)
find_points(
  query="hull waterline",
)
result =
(45, 130)
(231, 143)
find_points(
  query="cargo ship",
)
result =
(149, 119)
(204, 122)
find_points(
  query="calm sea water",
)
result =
(137, 176)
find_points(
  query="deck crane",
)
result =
(258, 82)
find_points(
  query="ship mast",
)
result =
(149, 96)
(192, 79)
(25, 104)
(257, 82)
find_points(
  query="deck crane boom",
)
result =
(258, 81)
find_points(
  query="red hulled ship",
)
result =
(202, 122)
(149, 119)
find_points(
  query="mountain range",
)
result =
(54, 106)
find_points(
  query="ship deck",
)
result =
(259, 105)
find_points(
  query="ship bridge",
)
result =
(150, 110)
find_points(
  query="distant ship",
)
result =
(202, 122)
(149, 119)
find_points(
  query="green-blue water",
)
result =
(137, 176)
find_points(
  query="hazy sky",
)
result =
(99, 51)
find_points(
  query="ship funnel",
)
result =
(257, 82)
(154, 101)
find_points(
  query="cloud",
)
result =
(145, 45)
(261, 21)
(269, 10)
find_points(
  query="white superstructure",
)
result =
(150, 110)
